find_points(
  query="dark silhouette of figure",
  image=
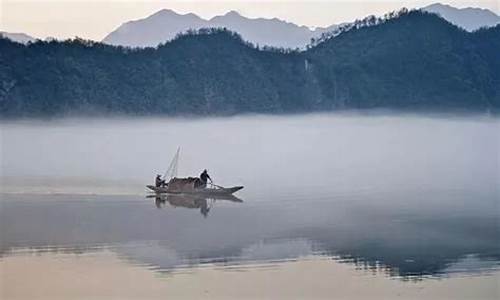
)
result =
(159, 201)
(204, 208)
(159, 182)
(204, 177)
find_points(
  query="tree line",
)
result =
(404, 60)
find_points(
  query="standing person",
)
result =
(204, 177)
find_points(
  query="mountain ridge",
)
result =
(261, 31)
(256, 30)
(165, 24)
(374, 64)
(18, 37)
(469, 18)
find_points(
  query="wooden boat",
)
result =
(214, 191)
(190, 185)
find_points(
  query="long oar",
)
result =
(220, 187)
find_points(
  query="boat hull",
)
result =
(200, 191)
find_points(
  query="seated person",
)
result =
(159, 182)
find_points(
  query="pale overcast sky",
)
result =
(93, 19)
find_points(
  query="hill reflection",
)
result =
(404, 240)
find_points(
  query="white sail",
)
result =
(173, 167)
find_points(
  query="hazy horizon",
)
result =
(95, 19)
(134, 150)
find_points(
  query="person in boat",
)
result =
(159, 182)
(204, 177)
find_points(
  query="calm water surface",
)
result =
(401, 197)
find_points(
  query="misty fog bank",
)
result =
(347, 152)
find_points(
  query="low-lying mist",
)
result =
(265, 153)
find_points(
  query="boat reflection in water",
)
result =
(203, 203)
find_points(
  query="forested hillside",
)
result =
(414, 60)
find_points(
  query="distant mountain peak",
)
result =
(17, 37)
(165, 11)
(233, 13)
(168, 13)
(165, 24)
(469, 18)
(441, 5)
(437, 4)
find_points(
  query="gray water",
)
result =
(412, 196)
